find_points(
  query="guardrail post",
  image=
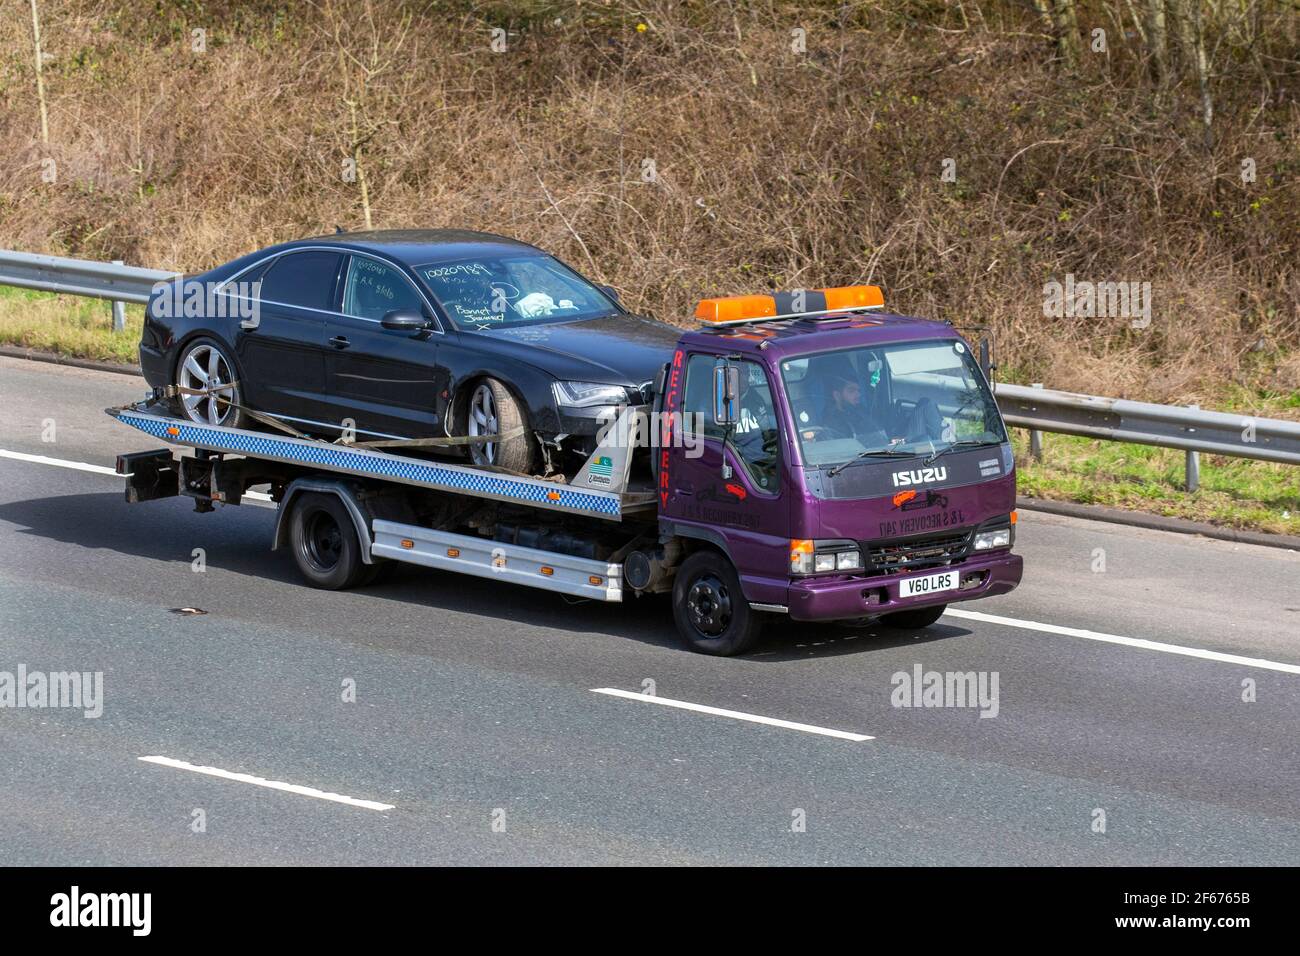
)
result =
(1193, 467)
(119, 308)
(1035, 436)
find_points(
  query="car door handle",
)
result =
(339, 342)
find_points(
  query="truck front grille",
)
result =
(928, 552)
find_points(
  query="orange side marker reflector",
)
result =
(595, 580)
(408, 543)
(1013, 517)
(547, 571)
(552, 496)
(453, 552)
(173, 430)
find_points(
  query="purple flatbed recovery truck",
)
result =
(806, 454)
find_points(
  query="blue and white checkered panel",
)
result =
(338, 457)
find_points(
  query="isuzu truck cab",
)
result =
(805, 454)
(854, 464)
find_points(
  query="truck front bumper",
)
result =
(846, 598)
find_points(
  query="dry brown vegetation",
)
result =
(679, 149)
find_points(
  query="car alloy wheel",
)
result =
(483, 421)
(206, 369)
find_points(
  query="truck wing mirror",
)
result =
(986, 358)
(726, 394)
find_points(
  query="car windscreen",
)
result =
(497, 291)
(913, 398)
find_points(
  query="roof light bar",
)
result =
(729, 310)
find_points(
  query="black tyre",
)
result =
(911, 620)
(205, 365)
(710, 609)
(492, 411)
(325, 545)
(375, 573)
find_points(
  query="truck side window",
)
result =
(755, 438)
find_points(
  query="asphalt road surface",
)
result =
(1147, 712)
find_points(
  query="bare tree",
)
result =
(1191, 36)
(1061, 20)
(359, 70)
(40, 79)
(1158, 39)
(1066, 19)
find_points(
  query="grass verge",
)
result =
(69, 325)
(1234, 492)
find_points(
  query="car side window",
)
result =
(372, 289)
(303, 279)
(755, 438)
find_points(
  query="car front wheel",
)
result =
(494, 411)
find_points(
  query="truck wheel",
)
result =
(710, 608)
(911, 620)
(493, 410)
(325, 544)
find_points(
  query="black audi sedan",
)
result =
(405, 334)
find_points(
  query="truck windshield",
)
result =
(915, 398)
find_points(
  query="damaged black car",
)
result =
(398, 335)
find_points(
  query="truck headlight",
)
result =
(848, 560)
(812, 557)
(988, 540)
(587, 394)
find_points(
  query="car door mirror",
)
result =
(404, 320)
(610, 291)
(726, 394)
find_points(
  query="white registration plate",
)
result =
(930, 584)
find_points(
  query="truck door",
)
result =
(745, 506)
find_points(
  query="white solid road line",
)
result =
(734, 714)
(259, 498)
(58, 462)
(270, 784)
(1126, 641)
